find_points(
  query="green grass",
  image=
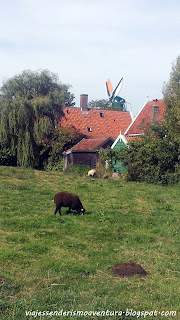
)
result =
(50, 263)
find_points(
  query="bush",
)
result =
(153, 158)
(7, 158)
(124, 177)
(57, 166)
(101, 171)
(79, 169)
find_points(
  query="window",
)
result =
(89, 129)
(101, 115)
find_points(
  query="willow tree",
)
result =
(30, 105)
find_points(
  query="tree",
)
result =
(152, 157)
(30, 105)
(102, 104)
(171, 93)
(52, 148)
(118, 104)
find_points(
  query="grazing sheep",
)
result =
(66, 199)
(91, 173)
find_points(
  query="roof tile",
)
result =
(109, 125)
(88, 144)
(91, 144)
(143, 119)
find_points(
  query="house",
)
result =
(119, 143)
(152, 112)
(98, 127)
(95, 123)
(86, 152)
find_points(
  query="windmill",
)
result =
(114, 99)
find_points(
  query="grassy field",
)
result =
(50, 263)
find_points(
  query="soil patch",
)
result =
(2, 281)
(128, 270)
(141, 201)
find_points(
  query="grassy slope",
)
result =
(50, 262)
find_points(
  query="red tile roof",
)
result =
(108, 125)
(89, 144)
(143, 119)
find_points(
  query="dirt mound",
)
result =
(128, 270)
(2, 281)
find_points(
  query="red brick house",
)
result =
(151, 112)
(106, 124)
(95, 123)
(98, 127)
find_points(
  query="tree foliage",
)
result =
(52, 148)
(152, 158)
(171, 93)
(105, 104)
(6, 157)
(30, 105)
(102, 104)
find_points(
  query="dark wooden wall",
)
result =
(86, 158)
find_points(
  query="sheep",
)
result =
(91, 173)
(66, 199)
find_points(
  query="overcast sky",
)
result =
(86, 42)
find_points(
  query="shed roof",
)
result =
(90, 144)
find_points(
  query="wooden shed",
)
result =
(86, 152)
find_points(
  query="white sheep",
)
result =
(91, 173)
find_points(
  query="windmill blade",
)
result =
(109, 88)
(117, 89)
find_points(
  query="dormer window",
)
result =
(68, 111)
(101, 115)
(89, 129)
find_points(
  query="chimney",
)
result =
(155, 113)
(84, 103)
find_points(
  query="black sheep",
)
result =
(66, 199)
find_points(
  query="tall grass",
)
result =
(52, 263)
